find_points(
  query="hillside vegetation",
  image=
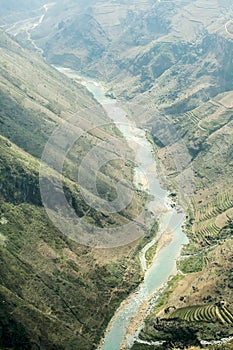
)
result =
(54, 292)
(170, 63)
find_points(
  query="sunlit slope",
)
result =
(54, 292)
(36, 99)
(171, 62)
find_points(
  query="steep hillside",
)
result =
(54, 292)
(171, 64)
(45, 275)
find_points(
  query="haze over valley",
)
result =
(116, 174)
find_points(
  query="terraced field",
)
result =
(207, 313)
(204, 224)
(175, 58)
(222, 203)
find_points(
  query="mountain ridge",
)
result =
(173, 62)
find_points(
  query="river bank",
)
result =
(132, 311)
(145, 308)
(137, 321)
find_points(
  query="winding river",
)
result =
(146, 177)
(170, 219)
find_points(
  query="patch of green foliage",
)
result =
(172, 284)
(151, 253)
(49, 295)
(194, 263)
(147, 238)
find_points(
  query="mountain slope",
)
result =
(171, 65)
(54, 292)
